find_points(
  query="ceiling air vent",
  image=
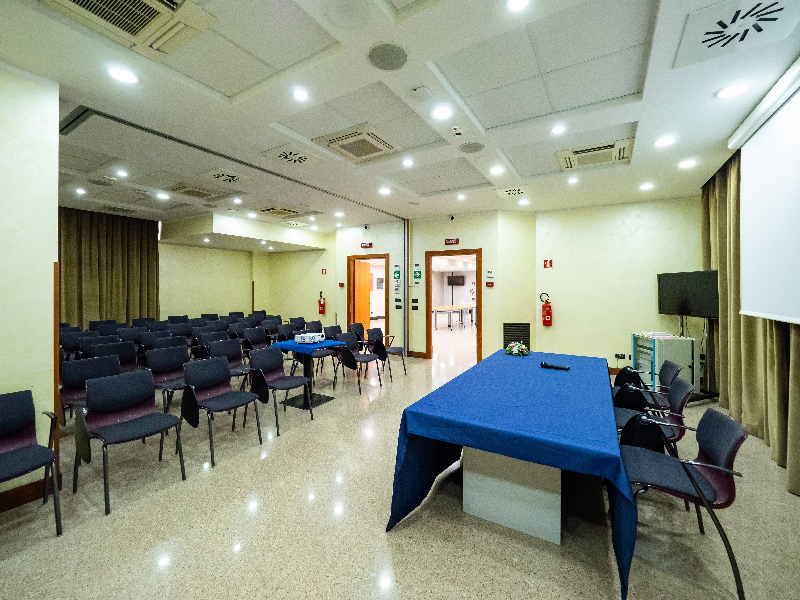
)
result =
(572, 159)
(294, 223)
(117, 210)
(357, 144)
(276, 211)
(153, 28)
(511, 192)
(195, 191)
(291, 155)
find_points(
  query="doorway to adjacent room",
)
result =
(368, 291)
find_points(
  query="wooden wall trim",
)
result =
(416, 354)
(27, 492)
(350, 282)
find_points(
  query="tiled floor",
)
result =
(304, 516)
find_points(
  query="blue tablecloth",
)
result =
(293, 346)
(511, 406)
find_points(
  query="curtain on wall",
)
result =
(109, 267)
(754, 363)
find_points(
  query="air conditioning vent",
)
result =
(511, 192)
(276, 211)
(195, 191)
(572, 159)
(357, 144)
(131, 16)
(294, 223)
(117, 210)
(291, 155)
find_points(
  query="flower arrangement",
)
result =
(517, 349)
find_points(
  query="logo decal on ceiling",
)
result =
(740, 24)
(292, 157)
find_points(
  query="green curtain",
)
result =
(754, 363)
(109, 267)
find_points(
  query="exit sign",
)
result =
(366, 244)
(451, 242)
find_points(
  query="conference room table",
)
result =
(305, 351)
(450, 309)
(513, 407)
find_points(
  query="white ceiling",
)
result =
(605, 69)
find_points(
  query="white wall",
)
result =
(377, 298)
(440, 291)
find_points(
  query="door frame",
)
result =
(351, 274)
(478, 297)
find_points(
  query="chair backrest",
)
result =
(141, 322)
(260, 315)
(298, 322)
(346, 355)
(148, 338)
(109, 328)
(168, 342)
(197, 332)
(379, 349)
(230, 349)
(668, 373)
(237, 329)
(184, 329)
(269, 361)
(332, 331)
(126, 351)
(350, 340)
(198, 322)
(218, 325)
(131, 334)
(75, 373)
(93, 325)
(374, 334)
(87, 342)
(287, 331)
(238, 315)
(209, 316)
(158, 326)
(71, 342)
(17, 420)
(248, 321)
(62, 325)
(207, 374)
(167, 360)
(719, 438)
(174, 319)
(255, 335)
(271, 325)
(356, 328)
(678, 395)
(314, 326)
(68, 329)
(214, 336)
(228, 320)
(119, 398)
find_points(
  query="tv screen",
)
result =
(455, 280)
(693, 294)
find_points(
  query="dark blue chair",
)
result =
(266, 373)
(209, 316)
(126, 351)
(158, 325)
(169, 342)
(110, 328)
(175, 319)
(255, 338)
(238, 315)
(374, 336)
(131, 334)
(231, 349)
(75, 374)
(298, 322)
(121, 409)
(350, 357)
(20, 453)
(166, 364)
(141, 322)
(89, 342)
(183, 330)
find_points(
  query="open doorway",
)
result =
(368, 291)
(453, 302)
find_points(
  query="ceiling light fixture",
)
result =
(338, 224)
(524, 202)
(338, 214)
(558, 130)
(442, 112)
(461, 197)
(300, 94)
(312, 218)
(384, 191)
(687, 164)
(729, 91)
(123, 75)
(665, 141)
(80, 191)
(572, 180)
(206, 240)
(646, 187)
(237, 200)
(270, 248)
(314, 227)
(263, 242)
(516, 5)
(122, 173)
(408, 163)
(497, 170)
(162, 196)
(252, 215)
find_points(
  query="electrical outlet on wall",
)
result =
(620, 356)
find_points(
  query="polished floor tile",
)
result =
(304, 516)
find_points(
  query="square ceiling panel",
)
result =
(398, 4)
(318, 120)
(511, 103)
(74, 158)
(441, 177)
(409, 131)
(373, 104)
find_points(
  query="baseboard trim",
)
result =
(27, 492)
(416, 354)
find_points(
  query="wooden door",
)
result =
(361, 293)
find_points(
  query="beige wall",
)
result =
(28, 239)
(196, 280)
(603, 281)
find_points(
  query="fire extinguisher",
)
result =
(547, 310)
(321, 304)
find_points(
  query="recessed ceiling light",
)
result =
(206, 240)
(442, 112)
(162, 196)
(384, 191)
(516, 5)
(300, 94)
(729, 91)
(122, 173)
(338, 224)
(662, 142)
(523, 202)
(123, 75)
(237, 200)
(687, 164)
(270, 248)
(338, 214)
(497, 170)
(263, 242)
(461, 197)
(312, 218)
(314, 227)
(646, 186)
(573, 180)
(252, 215)
(80, 191)
(408, 163)
(558, 130)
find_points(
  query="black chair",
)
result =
(271, 327)
(94, 325)
(298, 322)
(214, 336)
(673, 427)
(249, 322)
(208, 387)
(62, 325)
(656, 394)
(71, 342)
(314, 326)
(142, 322)
(121, 409)
(266, 373)
(75, 374)
(259, 315)
(228, 320)
(20, 453)
(209, 316)
(277, 318)
(166, 364)
(358, 330)
(109, 328)
(148, 338)
(332, 331)
(174, 320)
(158, 326)
(376, 335)
(238, 315)
(68, 329)
(198, 322)
(286, 332)
(168, 342)
(183, 330)
(350, 357)
(236, 330)
(255, 338)
(126, 351)
(218, 325)
(131, 334)
(231, 349)
(88, 342)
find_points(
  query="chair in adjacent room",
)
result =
(126, 351)
(166, 364)
(266, 373)
(75, 374)
(20, 452)
(350, 351)
(121, 409)
(208, 387)
(374, 336)
(175, 319)
(209, 316)
(141, 322)
(88, 342)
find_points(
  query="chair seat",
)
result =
(23, 460)
(145, 426)
(227, 401)
(287, 383)
(171, 385)
(396, 350)
(365, 358)
(623, 415)
(663, 471)
(239, 371)
(322, 353)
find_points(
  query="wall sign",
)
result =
(341, 285)
(451, 242)
(489, 273)
(548, 264)
(366, 244)
(417, 273)
(324, 271)
(490, 284)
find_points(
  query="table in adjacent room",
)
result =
(305, 351)
(512, 407)
(450, 309)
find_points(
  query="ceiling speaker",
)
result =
(472, 147)
(388, 57)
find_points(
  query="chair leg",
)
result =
(389, 360)
(275, 401)
(404, 365)
(179, 444)
(358, 377)
(56, 497)
(244, 419)
(106, 494)
(700, 519)
(211, 439)
(258, 421)
(310, 400)
(233, 426)
(44, 483)
(380, 383)
(161, 447)
(335, 373)
(75, 474)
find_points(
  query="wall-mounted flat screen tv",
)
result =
(455, 280)
(692, 294)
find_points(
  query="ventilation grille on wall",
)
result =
(516, 332)
(572, 159)
(357, 144)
